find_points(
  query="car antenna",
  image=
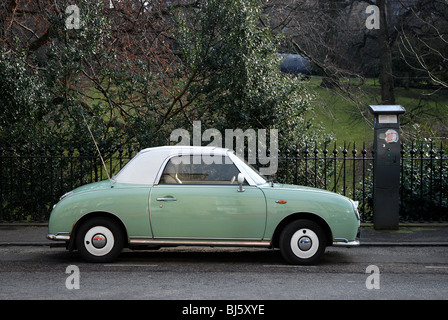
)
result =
(98, 149)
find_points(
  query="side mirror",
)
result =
(240, 182)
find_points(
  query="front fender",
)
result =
(337, 211)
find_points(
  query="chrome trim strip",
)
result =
(196, 238)
(201, 243)
(60, 236)
(204, 238)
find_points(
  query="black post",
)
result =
(1, 184)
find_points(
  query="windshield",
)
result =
(254, 174)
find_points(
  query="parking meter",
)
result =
(386, 165)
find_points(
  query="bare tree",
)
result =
(331, 35)
(424, 43)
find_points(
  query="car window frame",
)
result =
(201, 173)
(231, 156)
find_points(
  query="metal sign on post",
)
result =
(386, 165)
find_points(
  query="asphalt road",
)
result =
(410, 272)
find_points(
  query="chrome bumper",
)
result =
(60, 236)
(342, 242)
(345, 243)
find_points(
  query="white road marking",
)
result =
(286, 266)
(130, 265)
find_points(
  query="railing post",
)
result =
(335, 153)
(441, 152)
(364, 153)
(296, 162)
(422, 153)
(1, 184)
(402, 207)
(306, 152)
(344, 160)
(325, 165)
(431, 181)
(41, 184)
(316, 152)
(412, 153)
(11, 183)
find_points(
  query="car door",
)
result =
(200, 200)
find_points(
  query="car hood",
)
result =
(93, 186)
(105, 184)
(278, 187)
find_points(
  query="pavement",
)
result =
(409, 234)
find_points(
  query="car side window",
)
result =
(198, 170)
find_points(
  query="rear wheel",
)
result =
(302, 242)
(99, 240)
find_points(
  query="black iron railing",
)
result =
(424, 183)
(344, 170)
(33, 179)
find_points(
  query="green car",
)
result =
(200, 196)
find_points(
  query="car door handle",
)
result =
(166, 199)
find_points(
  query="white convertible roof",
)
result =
(145, 166)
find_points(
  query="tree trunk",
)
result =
(386, 75)
(330, 78)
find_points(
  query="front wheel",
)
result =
(99, 240)
(302, 242)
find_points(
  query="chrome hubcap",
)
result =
(99, 240)
(305, 243)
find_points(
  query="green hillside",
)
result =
(348, 119)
